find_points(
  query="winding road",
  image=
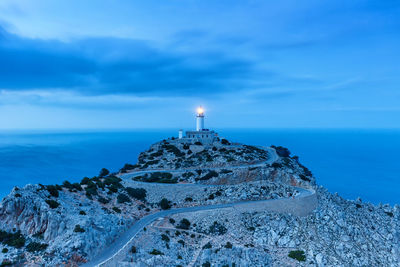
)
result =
(125, 240)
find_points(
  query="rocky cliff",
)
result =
(69, 224)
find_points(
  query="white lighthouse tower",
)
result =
(200, 119)
(201, 134)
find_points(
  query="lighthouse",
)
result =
(200, 119)
(201, 134)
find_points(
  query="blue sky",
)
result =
(148, 64)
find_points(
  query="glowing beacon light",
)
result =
(200, 119)
(200, 110)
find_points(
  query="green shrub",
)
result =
(225, 142)
(281, 151)
(197, 143)
(156, 252)
(207, 263)
(67, 185)
(104, 172)
(165, 204)
(117, 210)
(304, 178)
(217, 228)
(103, 200)
(165, 238)
(5, 250)
(79, 229)
(128, 167)
(122, 198)
(52, 189)
(138, 193)
(390, 214)
(228, 245)
(181, 242)
(17, 195)
(184, 224)
(82, 212)
(133, 250)
(276, 165)
(85, 180)
(297, 255)
(6, 262)
(16, 239)
(209, 175)
(188, 199)
(91, 188)
(35, 246)
(225, 171)
(52, 203)
(171, 220)
(160, 177)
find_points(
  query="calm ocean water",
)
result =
(351, 162)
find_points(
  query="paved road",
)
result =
(272, 157)
(122, 242)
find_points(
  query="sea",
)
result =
(352, 162)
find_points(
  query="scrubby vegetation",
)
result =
(78, 229)
(157, 177)
(282, 151)
(156, 252)
(165, 204)
(35, 246)
(297, 255)
(138, 193)
(217, 228)
(52, 203)
(16, 239)
(184, 224)
(104, 172)
(122, 198)
(53, 190)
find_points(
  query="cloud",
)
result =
(111, 65)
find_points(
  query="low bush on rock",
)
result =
(6, 262)
(184, 224)
(103, 200)
(35, 246)
(138, 193)
(207, 263)
(297, 255)
(16, 239)
(117, 210)
(281, 151)
(225, 142)
(209, 175)
(133, 250)
(79, 229)
(217, 228)
(52, 203)
(156, 252)
(82, 212)
(207, 246)
(228, 245)
(104, 172)
(128, 167)
(4, 250)
(165, 238)
(52, 189)
(165, 204)
(122, 198)
(159, 177)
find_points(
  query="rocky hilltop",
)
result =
(271, 213)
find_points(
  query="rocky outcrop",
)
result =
(27, 211)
